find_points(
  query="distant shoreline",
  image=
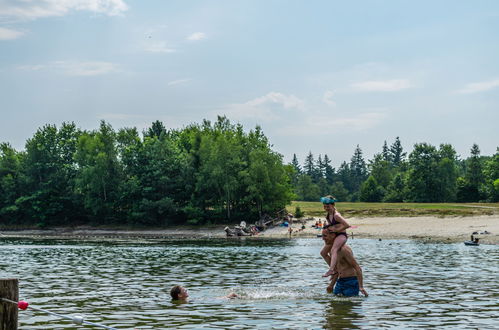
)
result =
(447, 229)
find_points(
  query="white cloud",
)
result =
(197, 36)
(479, 87)
(324, 126)
(8, 34)
(267, 107)
(382, 85)
(75, 68)
(287, 101)
(328, 98)
(178, 82)
(30, 10)
(159, 47)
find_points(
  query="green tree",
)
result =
(397, 153)
(396, 191)
(447, 174)
(491, 173)
(329, 172)
(423, 183)
(10, 176)
(358, 169)
(339, 191)
(370, 191)
(381, 170)
(49, 171)
(306, 190)
(98, 181)
(470, 185)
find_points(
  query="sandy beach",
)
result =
(447, 229)
(451, 229)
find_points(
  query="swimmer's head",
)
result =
(179, 293)
(327, 236)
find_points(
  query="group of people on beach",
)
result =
(345, 274)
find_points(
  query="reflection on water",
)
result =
(126, 284)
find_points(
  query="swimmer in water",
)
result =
(179, 293)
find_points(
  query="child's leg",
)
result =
(325, 253)
(338, 243)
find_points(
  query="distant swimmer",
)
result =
(348, 279)
(336, 225)
(180, 294)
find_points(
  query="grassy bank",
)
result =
(399, 209)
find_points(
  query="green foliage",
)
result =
(211, 172)
(396, 191)
(370, 191)
(299, 213)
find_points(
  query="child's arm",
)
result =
(342, 225)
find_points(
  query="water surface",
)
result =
(126, 284)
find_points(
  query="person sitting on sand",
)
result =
(348, 280)
(335, 224)
(180, 294)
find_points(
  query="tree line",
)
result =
(427, 174)
(202, 173)
(212, 172)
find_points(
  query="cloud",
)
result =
(30, 10)
(178, 82)
(8, 34)
(328, 98)
(382, 85)
(267, 107)
(76, 68)
(159, 47)
(197, 36)
(324, 126)
(479, 87)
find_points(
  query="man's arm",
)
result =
(330, 287)
(348, 255)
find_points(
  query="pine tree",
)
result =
(296, 164)
(474, 171)
(386, 153)
(397, 154)
(328, 170)
(309, 165)
(358, 169)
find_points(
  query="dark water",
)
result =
(126, 284)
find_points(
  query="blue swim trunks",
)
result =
(347, 286)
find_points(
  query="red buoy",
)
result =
(22, 305)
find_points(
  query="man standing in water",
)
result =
(348, 281)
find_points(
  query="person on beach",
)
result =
(336, 224)
(348, 281)
(180, 294)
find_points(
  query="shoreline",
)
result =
(438, 229)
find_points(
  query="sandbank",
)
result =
(448, 229)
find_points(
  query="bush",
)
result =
(299, 213)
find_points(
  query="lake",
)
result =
(125, 284)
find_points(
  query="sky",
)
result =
(317, 76)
